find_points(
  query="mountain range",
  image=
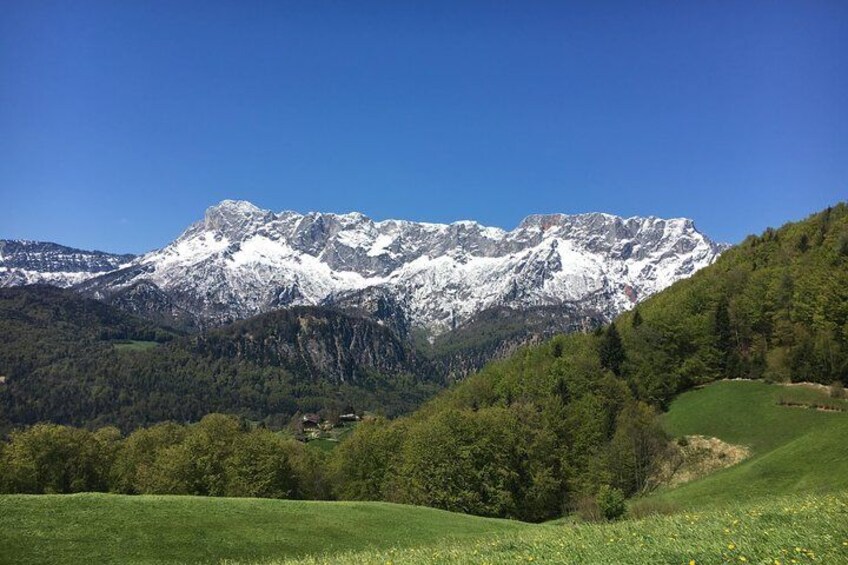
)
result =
(25, 262)
(417, 278)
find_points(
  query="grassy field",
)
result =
(134, 345)
(782, 530)
(794, 450)
(147, 529)
(102, 528)
(329, 440)
(787, 504)
(747, 412)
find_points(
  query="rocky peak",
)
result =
(241, 260)
(234, 218)
(40, 262)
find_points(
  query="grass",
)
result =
(787, 504)
(329, 440)
(165, 529)
(134, 345)
(782, 530)
(104, 528)
(323, 444)
(794, 450)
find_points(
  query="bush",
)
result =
(611, 502)
(588, 509)
(837, 390)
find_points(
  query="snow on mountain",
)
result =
(37, 262)
(241, 260)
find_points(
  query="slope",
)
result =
(795, 449)
(101, 528)
(63, 361)
(89, 528)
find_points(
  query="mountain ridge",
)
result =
(241, 260)
(24, 261)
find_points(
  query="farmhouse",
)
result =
(310, 422)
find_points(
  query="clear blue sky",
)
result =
(121, 121)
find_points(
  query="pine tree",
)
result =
(611, 350)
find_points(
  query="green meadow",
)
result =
(794, 449)
(775, 531)
(106, 528)
(134, 345)
(787, 503)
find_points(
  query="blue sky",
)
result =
(121, 121)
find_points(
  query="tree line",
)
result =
(219, 456)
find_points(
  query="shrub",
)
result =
(837, 390)
(588, 509)
(611, 502)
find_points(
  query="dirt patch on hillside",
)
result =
(693, 457)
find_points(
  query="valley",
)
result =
(564, 436)
(389, 283)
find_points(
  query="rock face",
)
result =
(37, 262)
(241, 260)
(498, 332)
(318, 344)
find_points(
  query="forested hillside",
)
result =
(575, 417)
(774, 307)
(68, 359)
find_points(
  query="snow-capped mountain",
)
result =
(241, 260)
(33, 262)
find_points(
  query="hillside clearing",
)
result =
(793, 450)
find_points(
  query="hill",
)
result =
(499, 332)
(40, 324)
(101, 528)
(794, 449)
(94, 528)
(773, 307)
(780, 530)
(74, 360)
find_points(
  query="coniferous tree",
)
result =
(803, 243)
(611, 350)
